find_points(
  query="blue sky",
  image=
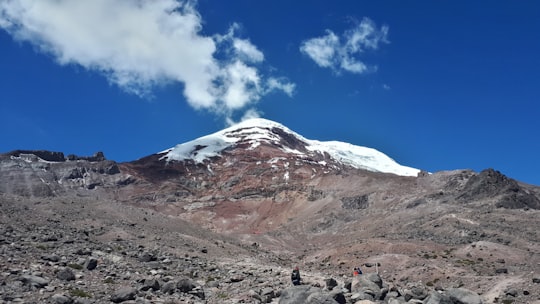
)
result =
(436, 85)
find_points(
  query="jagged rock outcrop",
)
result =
(42, 154)
(46, 174)
(491, 184)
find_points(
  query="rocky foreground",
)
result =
(81, 250)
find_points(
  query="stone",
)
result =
(65, 274)
(169, 287)
(61, 299)
(91, 264)
(51, 257)
(330, 283)
(123, 294)
(147, 257)
(150, 284)
(464, 296)
(338, 297)
(34, 281)
(303, 294)
(185, 285)
(438, 298)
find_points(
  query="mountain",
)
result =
(253, 133)
(260, 192)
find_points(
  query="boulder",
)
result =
(304, 294)
(330, 283)
(185, 285)
(438, 298)
(415, 292)
(61, 299)
(123, 294)
(463, 296)
(338, 296)
(91, 264)
(168, 287)
(363, 285)
(66, 274)
(34, 281)
(150, 284)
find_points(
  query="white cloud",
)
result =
(341, 54)
(322, 50)
(245, 49)
(138, 44)
(280, 84)
(242, 85)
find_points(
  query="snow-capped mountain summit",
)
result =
(253, 133)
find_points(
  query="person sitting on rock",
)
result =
(357, 271)
(295, 276)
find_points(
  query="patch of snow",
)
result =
(361, 157)
(275, 160)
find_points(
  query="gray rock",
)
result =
(91, 264)
(267, 294)
(375, 278)
(147, 257)
(338, 296)
(438, 298)
(124, 294)
(185, 285)
(253, 294)
(34, 281)
(305, 295)
(415, 292)
(169, 287)
(198, 292)
(463, 296)
(511, 292)
(51, 257)
(65, 274)
(61, 299)
(330, 283)
(150, 284)
(363, 285)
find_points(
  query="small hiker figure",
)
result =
(357, 271)
(295, 276)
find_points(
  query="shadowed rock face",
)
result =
(451, 229)
(507, 192)
(44, 155)
(50, 174)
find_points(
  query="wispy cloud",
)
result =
(280, 84)
(140, 44)
(342, 53)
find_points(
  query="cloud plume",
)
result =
(342, 53)
(140, 44)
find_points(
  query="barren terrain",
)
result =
(90, 230)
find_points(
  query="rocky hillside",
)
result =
(225, 221)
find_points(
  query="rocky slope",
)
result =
(226, 224)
